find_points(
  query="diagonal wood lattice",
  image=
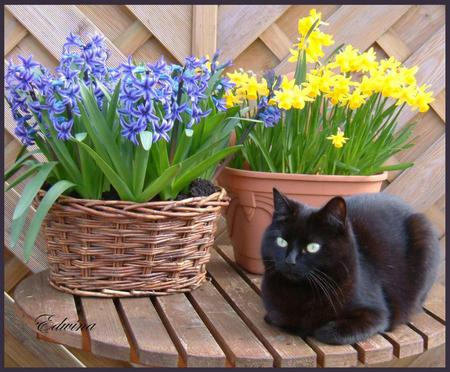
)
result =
(256, 37)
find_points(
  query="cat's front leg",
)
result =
(276, 319)
(357, 325)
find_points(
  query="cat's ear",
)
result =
(283, 206)
(335, 212)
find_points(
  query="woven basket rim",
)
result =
(153, 210)
(220, 195)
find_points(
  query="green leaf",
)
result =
(264, 152)
(18, 163)
(146, 139)
(201, 167)
(61, 150)
(140, 161)
(16, 229)
(394, 167)
(31, 189)
(46, 203)
(333, 53)
(112, 110)
(24, 176)
(198, 156)
(157, 185)
(342, 165)
(118, 183)
(105, 135)
(22, 152)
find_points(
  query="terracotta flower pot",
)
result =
(250, 209)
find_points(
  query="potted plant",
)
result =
(327, 131)
(124, 195)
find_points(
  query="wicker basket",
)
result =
(112, 248)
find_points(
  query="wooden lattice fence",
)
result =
(256, 37)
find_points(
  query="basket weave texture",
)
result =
(112, 248)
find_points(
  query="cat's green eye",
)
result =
(313, 247)
(281, 242)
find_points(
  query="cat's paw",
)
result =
(268, 320)
(329, 334)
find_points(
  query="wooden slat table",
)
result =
(218, 325)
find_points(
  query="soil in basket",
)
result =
(198, 187)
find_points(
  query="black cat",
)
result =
(357, 266)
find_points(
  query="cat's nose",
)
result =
(291, 258)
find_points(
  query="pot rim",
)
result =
(306, 177)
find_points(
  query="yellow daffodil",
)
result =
(305, 23)
(367, 61)
(300, 97)
(391, 85)
(251, 88)
(238, 78)
(347, 60)
(287, 83)
(408, 75)
(376, 81)
(246, 86)
(314, 43)
(390, 63)
(406, 94)
(294, 55)
(341, 87)
(313, 86)
(208, 62)
(231, 100)
(263, 89)
(284, 99)
(294, 96)
(355, 99)
(338, 140)
(366, 85)
(386, 77)
(423, 98)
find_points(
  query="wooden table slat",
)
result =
(432, 331)
(192, 338)
(288, 350)
(435, 302)
(406, 341)
(153, 343)
(35, 297)
(334, 355)
(375, 349)
(226, 251)
(243, 349)
(107, 338)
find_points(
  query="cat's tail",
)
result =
(423, 255)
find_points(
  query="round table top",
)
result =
(219, 324)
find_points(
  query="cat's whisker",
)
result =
(345, 267)
(330, 288)
(336, 285)
(313, 286)
(324, 290)
(333, 289)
